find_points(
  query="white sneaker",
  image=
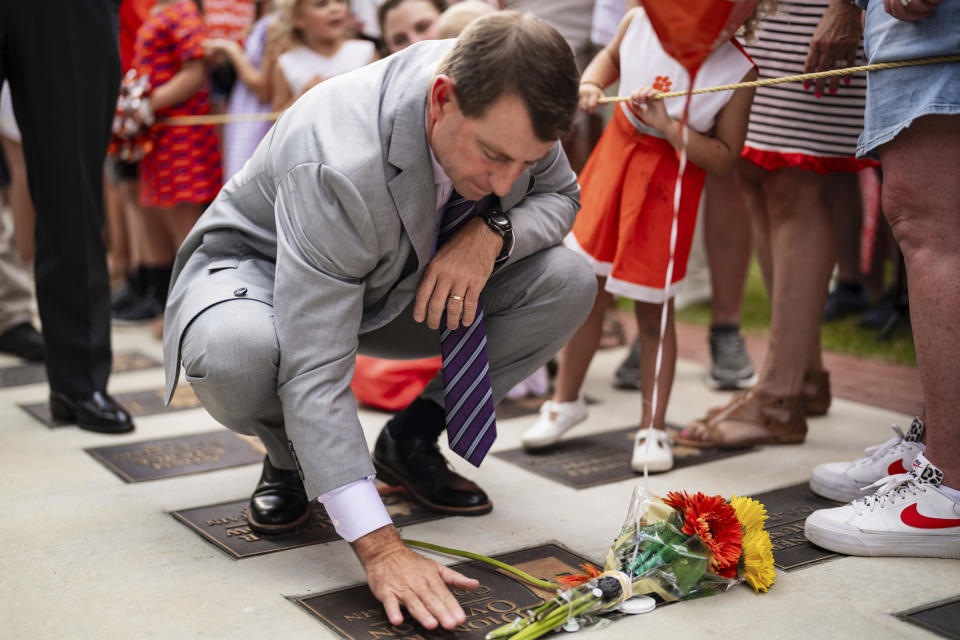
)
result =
(655, 455)
(556, 418)
(908, 516)
(846, 481)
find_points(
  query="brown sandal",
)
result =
(814, 394)
(780, 417)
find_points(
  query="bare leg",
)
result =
(727, 235)
(803, 249)
(118, 251)
(155, 237)
(793, 203)
(575, 357)
(648, 326)
(845, 207)
(132, 223)
(750, 177)
(921, 199)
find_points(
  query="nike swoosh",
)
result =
(896, 468)
(913, 518)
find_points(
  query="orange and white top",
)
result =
(644, 63)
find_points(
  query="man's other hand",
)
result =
(398, 576)
(456, 276)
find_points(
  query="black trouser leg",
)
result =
(61, 59)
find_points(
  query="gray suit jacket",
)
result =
(338, 205)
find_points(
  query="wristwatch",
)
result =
(497, 220)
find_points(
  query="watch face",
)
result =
(499, 219)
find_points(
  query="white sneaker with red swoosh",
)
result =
(846, 481)
(907, 516)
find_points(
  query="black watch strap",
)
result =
(497, 220)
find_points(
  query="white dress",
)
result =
(644, 63)
(301, 64)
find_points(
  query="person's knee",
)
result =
(230, 352)
(574, 277)
(905, 210)
(791, 192)
(648, 316)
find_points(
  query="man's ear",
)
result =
(442, 96)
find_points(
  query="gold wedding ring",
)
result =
(457, 298)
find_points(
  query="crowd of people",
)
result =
(455, 202)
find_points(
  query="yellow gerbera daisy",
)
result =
(758, 560)
(750, 513)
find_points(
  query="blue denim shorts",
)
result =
(895, 97)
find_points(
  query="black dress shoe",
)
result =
(96, 412)
(417, 465)
(279, 503)
(23, 341)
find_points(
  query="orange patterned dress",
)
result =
(184, 166)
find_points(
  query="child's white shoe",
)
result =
(656, 455)
(556, 418)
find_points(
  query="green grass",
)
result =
(841, 335)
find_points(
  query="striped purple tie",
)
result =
(467, 392)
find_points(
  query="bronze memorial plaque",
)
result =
(788, 508)
(178, 456)
(225, 525)
(942, 617)
(601, 458)
(355, 614)
(138, 403)
(32, 372)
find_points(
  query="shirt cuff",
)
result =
(355, 509)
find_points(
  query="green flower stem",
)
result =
(542, 584)
(556, 618)
(507, 630)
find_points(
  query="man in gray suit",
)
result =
(329, 242)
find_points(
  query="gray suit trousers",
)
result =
(531, 308)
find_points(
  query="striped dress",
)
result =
(789, 126)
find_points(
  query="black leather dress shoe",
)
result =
(279, 503)
(96, 412)
(417, 465)
(23, 341)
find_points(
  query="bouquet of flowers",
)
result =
(679, 547)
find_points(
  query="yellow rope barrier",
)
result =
(806, 76)
(180, 121)
(263, 117)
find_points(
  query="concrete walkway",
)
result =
(85, 555)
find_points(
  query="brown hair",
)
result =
(515, 53)
(390, 5)
(764, 9)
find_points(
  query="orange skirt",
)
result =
(626, 214)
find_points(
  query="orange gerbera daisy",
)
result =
(715, 521)
(579, 579)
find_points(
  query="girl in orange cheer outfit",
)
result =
(624, 225)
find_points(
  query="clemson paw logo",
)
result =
(662, 83)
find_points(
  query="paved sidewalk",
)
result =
(86, 555)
